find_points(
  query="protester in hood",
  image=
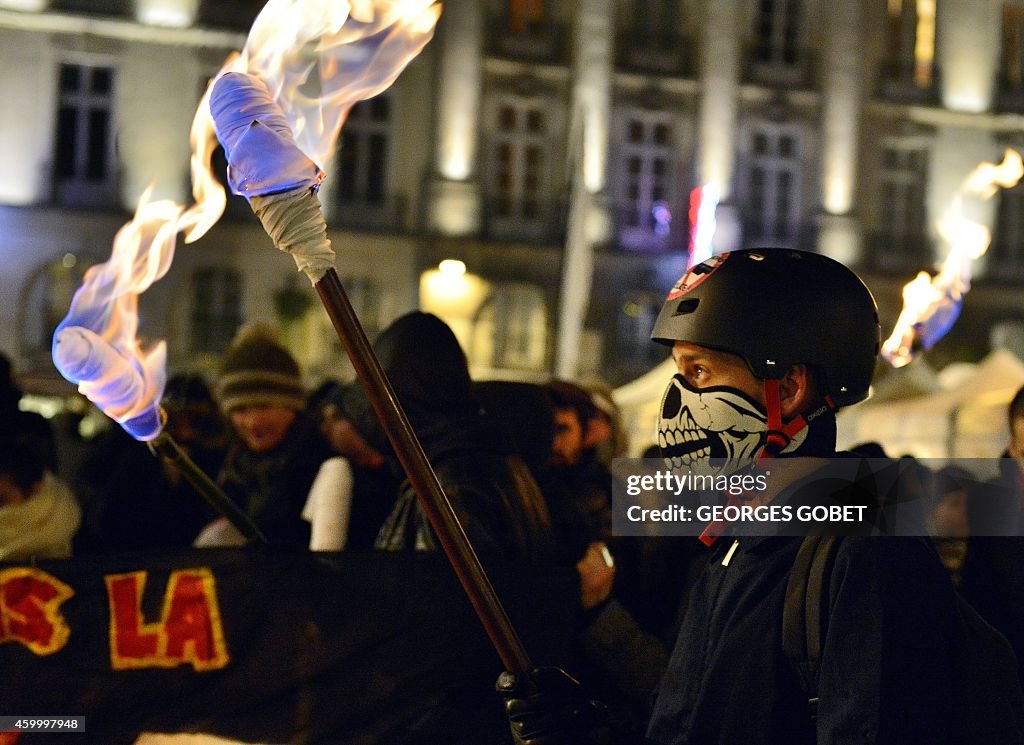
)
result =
(497, 501)
(475, 463)
(38, 512)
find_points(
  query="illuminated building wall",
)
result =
(967, 52)
(842, 126)
(25, 139)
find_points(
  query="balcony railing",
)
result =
(666, 53)
(539, 42)
(1009, 95)
(117, 8)
(229, 14)
(644, 237)
(896, 82)
(891, 254)
(793, 71)
(388, 216)
(802, 235)
(547, 227)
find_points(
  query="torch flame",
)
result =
(931, 305)
(703, 203)
(318, 58)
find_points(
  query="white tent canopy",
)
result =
(966, 420)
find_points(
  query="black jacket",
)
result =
(886, 665)
(272, 487)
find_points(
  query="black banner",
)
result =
(248, 644)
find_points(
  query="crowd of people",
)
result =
(678, 643)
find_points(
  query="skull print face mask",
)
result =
(712, 431)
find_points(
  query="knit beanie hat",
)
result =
(258, 371)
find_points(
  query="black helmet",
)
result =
(776, 308)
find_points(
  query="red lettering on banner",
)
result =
(130, 637)
(30, 601)
(189, 630)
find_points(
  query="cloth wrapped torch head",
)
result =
(263, 158)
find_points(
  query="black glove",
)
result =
(547, 707)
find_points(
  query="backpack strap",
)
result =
(805, 612)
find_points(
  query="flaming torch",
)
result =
(95, 346)
(931, 305)
(271, 163)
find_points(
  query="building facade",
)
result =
(549, 146)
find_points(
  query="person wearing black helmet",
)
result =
(768, 345)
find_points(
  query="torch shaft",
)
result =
(167, 448)
(421, 475)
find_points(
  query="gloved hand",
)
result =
(547, 707)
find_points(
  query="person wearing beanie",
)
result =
(278, 449)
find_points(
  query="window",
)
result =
(655, 21)
(518, 173)
(362, 192)
(84, 159)
(365, 152)
(647, 193)
(777, 32)
(1007, 253)
(911, 38)
(216, 308)
(511, 329)
(1011, 62)
(901, 203)
(651, 39)
(525, 15)
(773, 183)
(1013, 39)
(524, 30)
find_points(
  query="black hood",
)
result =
(430, 376)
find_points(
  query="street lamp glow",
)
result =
(452, 268)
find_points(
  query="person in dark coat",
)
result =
(26, 427)
(992, 575)
(134, 502)
(494, 496)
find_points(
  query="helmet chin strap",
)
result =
(778, 436)
(777, 439)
